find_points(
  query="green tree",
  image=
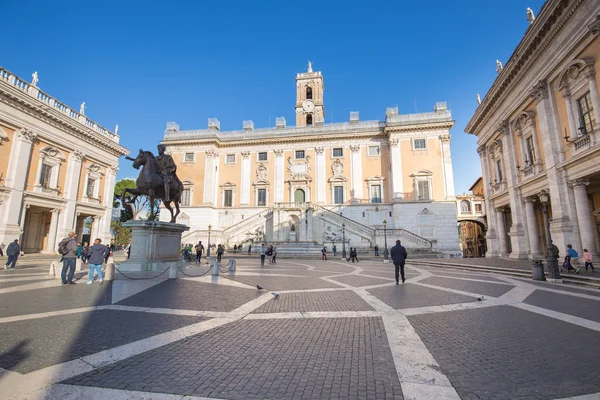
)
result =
(122, 233)
(138, 205)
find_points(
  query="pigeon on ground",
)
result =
(259, 287)
(480, 298)
(276, 295)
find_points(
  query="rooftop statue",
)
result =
(34, 79)
(158, 180)
(498, 66)
(530, 16)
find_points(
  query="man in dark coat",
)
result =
(12, 251)
(399, 257)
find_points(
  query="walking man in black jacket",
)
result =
(399, 257)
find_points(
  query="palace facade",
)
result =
(539, 136)
(57, 169)
(318, 183)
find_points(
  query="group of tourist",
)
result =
(95, 255)
(265, 251)
(573, 255)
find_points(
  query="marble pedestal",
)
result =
(155, 246)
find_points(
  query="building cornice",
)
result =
(31, 106)
(551, 19)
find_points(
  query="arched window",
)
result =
(309, 93)
(309, 119)
(465, 207)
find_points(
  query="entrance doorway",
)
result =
(299, 196)
(36, 229)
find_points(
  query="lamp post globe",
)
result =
(385, 249)
(208, 248)
(344, 241)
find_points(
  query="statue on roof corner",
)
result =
(530, 15)
(34, 79)
(498, 66)
(310, 66)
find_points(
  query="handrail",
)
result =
(408, 234)
(346, 219)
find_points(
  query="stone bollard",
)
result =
(78, 264)
(215, 266)
(173, 271)
(232, 266)
(109, 272)
(55, 268)
(537, 270)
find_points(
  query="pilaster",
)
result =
(356, 173)
(245, 187)
(490, 235)
(279, 176)
(210, 178)
(109, 191)
(447, 167)
(321, 174)
(396, 161)
(68, 217)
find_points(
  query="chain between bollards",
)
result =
(142, 278)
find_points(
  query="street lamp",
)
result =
(551, 260)
(385, 250)
(208, 249)
(344, 241)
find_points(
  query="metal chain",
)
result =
(142, 278)
(194, 276)
(227, 270)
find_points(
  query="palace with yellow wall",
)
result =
(57, 169)
(317, 183)
(539, 137)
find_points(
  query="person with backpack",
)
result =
(12, 251)
(68, 250)
(324, 254)
(220, 251)
(571, 254)
(97, 254)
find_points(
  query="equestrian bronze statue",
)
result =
(158, 180)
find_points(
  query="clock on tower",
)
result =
(309, 98)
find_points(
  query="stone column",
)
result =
(584, 215)
(356, 172)
(52, 242)
(16, 177)
(245, 189)
(279, 186)
(321, 174)
(501, 232)
(491, 237)
(561, 226)
(69, 217)
(447, 170)
(519, 246)
(210, 178)
(109, 191)
(532, 229)
(396, 161)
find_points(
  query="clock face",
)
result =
(308, 106)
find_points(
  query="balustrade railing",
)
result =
(582, 143)
(36, 93)
(349, 222)
(406, 234)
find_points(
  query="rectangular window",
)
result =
(587, 118)
(45, 175)
(499, 166)
(230, 159)
(419, 144)
(262, 197)
(189, 157)
(423, 190)
(299, 154)
(228, 198)
(375, 193)
(185, 197)
(530, 150)
(478, 207)
(339, 152)
(373, 151)
(338, 194)
(262, 156)
(90, 188)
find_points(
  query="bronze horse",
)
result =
(150, 183)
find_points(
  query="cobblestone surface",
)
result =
(488, 289)
(37, 343)
(359, 280)
(507, 353)
(4, 285)
(561, 286)
(283, 282)
(338, 300)
(577, 306)
(337, 358)
(467, 276)
(411, 296)
(190, 295)
(61, 297)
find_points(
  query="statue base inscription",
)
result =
(155, 246)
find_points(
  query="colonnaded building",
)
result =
(57, 169)
(539, 136)
(313, 184)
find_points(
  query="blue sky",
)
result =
(140, 64)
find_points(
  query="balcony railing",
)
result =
(36, 93)
(91, 200)
(582, 143)
(498, 187)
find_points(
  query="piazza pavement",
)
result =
(337, 331)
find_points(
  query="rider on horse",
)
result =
(167, 169)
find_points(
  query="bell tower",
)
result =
(309, 98)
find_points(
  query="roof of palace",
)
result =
(441, 117)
